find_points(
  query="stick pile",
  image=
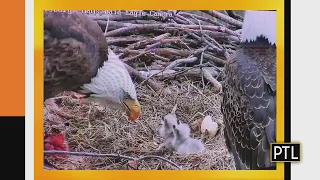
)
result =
(161, 45)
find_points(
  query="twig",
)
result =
(48, 165)
(174, 109)
(106, 30)
(151, 77)
(163, 41)
(141, 77)
(211, 28)
(167, 52)
(126, 52)
(213, 40)
(190, 71)
(185, 19)
(201, 18)
(144, 43)
(211, 45)
(171, 51)
(224, 17)
(201, 60)
(160, 57)
(220, 35)
(112, 25)
(179, 20)
(135, 57)
(124, 40)
(234, 15)
(59, 97)
(215, 83)
(214, 59)
(113, 156)
(202, 39)
(161, 158)
(181, 61)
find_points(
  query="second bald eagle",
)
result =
(76, 59)
(249, 93)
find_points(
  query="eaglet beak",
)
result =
(133, 109)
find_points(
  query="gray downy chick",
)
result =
(183, 142)
(166, 130)
(169, 142)
(167, 123)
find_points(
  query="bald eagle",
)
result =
(77, 58)
(249, 93)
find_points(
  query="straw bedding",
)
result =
(91, 128)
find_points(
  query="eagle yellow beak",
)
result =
(133, 109)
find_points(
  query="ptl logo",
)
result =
(285, 152)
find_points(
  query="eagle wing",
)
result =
(249, 106)
(74, 49)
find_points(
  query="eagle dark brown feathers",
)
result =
(249, 104)
(74, 49)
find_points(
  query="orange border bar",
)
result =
(12, 46)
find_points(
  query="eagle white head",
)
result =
(113, 87)
(259, 23)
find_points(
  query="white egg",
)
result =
(209, 125)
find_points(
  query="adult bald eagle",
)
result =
(249, 93)
(76, 59)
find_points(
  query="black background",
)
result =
(287, 82)
(12, 148)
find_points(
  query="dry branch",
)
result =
(215, 34)
(118, 41)
(204, 40)
(48, 165)
(234, 15)
(160, 57)
(181, 61)
(217, 60)
(138, 53)
(162, 27)
(112, 24)
(164, 41)
(161, 53)
(210, 21)
(170, 51)
(170, 73)
(209, 73)
(185, 19)
(144, 43)
(143, 53)
(112, 156)
(224, 17)
(156, 87)
(209, 27)
(217, 86)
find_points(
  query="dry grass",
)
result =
(91, 128)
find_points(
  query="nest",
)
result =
(91, 128)
(173, 61)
